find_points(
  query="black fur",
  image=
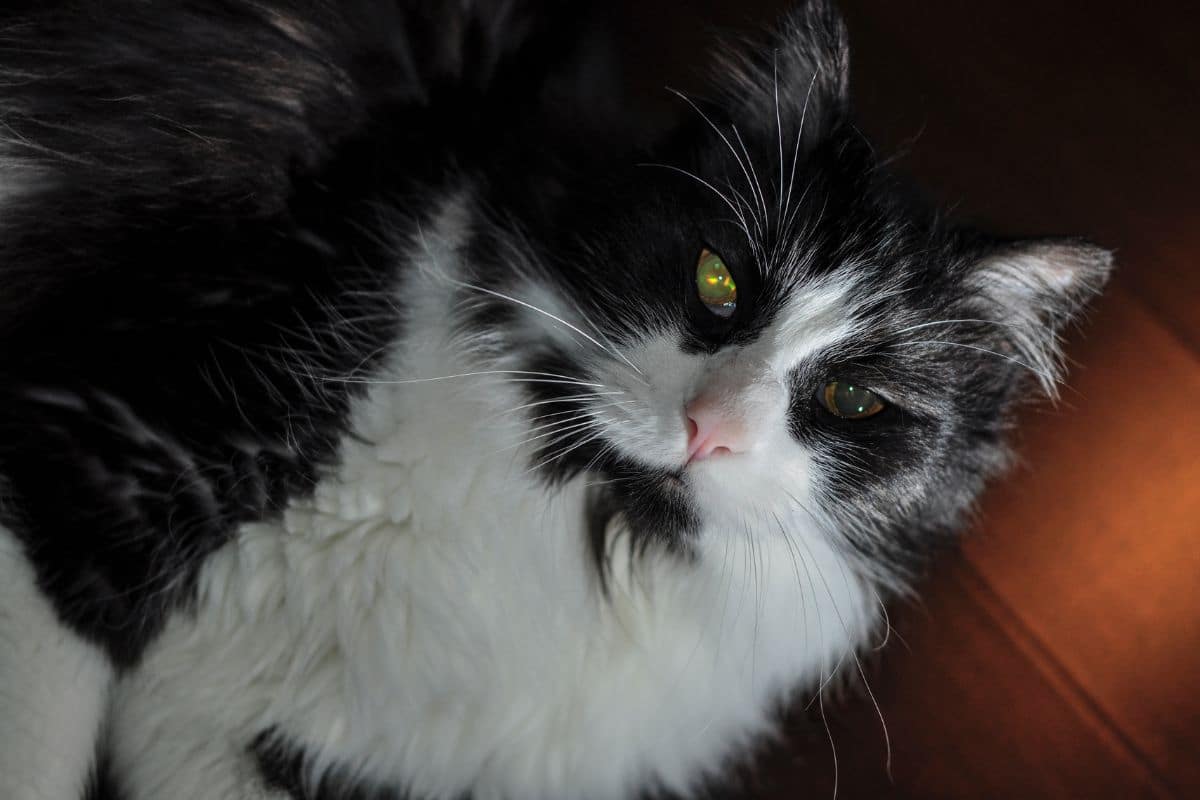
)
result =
(102, 783)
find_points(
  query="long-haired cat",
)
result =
(377, 420)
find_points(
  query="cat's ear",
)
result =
(1032, 289)
(797, 79)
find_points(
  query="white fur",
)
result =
(53, 689)
(430, 615)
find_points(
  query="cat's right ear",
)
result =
(1034, 288)
(797, 78)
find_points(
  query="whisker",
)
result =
(576, 410)
(779, 136)
(554, 381)
(887, 738)
(571, 399)
(792, 554)
(583, 416)
(845, 629)
(533, 308)
(717, 130)
(608, 341)
(735, 209)
(799, 136)
(401, 381)
(832, 744)
(1046, 377)
(561, 454)
(562, 431)
(953, 322)
(757, 186)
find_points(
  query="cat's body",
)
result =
(351, 446)
(521, 681)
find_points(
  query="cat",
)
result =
(382, 418)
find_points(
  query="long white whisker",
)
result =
(845, 629)
(779, 136)
(735, 209)
(1046, 377)
(746, 172)
(953, 322)
(577, 410)
(561, 431)
(531, 307)
(757, 186)
(612, 347)
(563, 453)
(584, 415)
(401, 381)
(799, 135)
(832, 744)
(554, 380)
(571, 399)
(787, 540)
(887, 737)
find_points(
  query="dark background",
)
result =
(1059, 655)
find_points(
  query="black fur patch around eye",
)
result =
(871, 450)
(898, 482)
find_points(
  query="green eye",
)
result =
(850, 402)
(715, 285)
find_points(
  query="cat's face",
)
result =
(769, 330)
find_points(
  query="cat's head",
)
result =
(769, 329)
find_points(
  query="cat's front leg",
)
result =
(53, 690)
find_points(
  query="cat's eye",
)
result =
(714, 284)
(850, 401)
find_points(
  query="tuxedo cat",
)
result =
(379, 418)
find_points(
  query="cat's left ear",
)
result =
(1033, 289)
(797, 79)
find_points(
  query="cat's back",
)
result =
(154, 254)
(190, 244)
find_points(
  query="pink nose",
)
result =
(712, 432)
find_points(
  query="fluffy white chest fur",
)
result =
(431, 616)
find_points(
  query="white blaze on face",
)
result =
(747, 387)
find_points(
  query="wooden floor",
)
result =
(1059, 655)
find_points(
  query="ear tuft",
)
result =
(801, 72)
(1035, 288)
(813, 43)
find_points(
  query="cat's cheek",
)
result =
(644, 419)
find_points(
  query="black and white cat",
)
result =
(372, 423)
